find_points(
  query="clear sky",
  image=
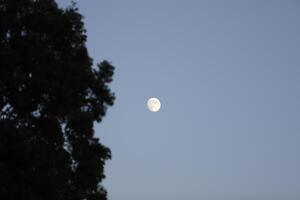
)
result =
(228, 77)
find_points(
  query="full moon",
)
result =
(153, 104)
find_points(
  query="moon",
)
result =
(153, 104)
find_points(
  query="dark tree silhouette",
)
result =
(50, 97)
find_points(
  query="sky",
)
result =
(228, 77)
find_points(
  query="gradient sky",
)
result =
(228, 76)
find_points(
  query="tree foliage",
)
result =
(50, 97)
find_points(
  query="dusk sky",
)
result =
(228, 77)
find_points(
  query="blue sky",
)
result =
(228, 77)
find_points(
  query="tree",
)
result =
(50, 97)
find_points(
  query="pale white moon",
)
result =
(153, 104)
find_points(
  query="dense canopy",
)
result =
(50, 97)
